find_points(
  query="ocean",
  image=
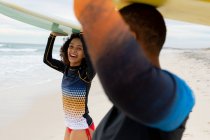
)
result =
(22, 65)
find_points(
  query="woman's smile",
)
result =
(72, 55)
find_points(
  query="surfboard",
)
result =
(121, 3)
(33, 18)
(193, 11)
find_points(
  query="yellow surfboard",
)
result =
(121, 3)
(193, 11)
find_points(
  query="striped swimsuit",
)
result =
(76, 83)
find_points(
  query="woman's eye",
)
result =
(79, 49)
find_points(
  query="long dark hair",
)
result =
(64, 48)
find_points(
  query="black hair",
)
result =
(148, 25)
(64, 48)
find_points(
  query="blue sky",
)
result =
(180, 34)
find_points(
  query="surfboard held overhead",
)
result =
(33, 18)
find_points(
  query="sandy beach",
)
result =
(41, 117)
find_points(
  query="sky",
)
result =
(179, 34)
(15, 31)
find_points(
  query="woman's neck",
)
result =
(74, 64)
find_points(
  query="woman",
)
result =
(77, 75)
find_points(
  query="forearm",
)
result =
(49, 49)
(47, 59)
(101, 24)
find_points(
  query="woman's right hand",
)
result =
(57, 34)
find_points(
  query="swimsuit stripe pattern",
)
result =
(74, 101)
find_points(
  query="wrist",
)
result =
(89, 8)
(52, 35)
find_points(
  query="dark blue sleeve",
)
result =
(143, 92)
(180, 108)
(48, 59)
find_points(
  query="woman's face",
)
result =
(75, 52)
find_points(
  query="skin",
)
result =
(77, 135)
(106, 13)
(75, 52)
(75, 56)
(154, 58)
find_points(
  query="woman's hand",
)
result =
(57, 34)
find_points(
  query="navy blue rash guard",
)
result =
(76, 83)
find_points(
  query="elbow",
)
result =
(44, 60)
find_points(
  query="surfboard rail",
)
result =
(193, 11)
(121, 3)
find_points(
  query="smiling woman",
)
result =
(77, 76)
(75, 52)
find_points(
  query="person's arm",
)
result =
(53, 63)
(143, 92)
